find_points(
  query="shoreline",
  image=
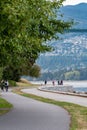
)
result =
(64, 93)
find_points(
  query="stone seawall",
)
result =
(64, 88)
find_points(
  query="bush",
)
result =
(11, 73)
(12, 83)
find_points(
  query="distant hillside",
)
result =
(70, 52)
(78, 13)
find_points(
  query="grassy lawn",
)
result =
(4, 106)
(78, 113)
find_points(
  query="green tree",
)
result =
(11, 73)
(34, 71)
(1, 73)
(25, 27)
(72, 75)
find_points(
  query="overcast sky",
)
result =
(73, 2)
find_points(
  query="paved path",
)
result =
(59, 97)
(29, 114)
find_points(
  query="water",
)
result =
(80, 89)
(80, 86)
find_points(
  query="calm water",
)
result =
(80, 89)
(79, 86)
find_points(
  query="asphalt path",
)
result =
(29, 114)
(58, 97)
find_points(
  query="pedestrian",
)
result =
(45, 82)
(53, 82)
(58, 82)
(61, 82)
(6, 85)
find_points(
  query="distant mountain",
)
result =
(78, 13)
(70, 52)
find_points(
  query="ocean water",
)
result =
(79, 86)
(81, 89)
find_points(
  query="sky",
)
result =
(73, 2)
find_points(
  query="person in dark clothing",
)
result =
(61, 82)
(53, 82)
(45, 82)
(58, 82)
(6, 85)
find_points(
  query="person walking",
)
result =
(45, 82)
(6, 85)
(53, 82)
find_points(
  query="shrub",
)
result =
(12, 83)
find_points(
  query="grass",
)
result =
(4, 106)
(78, 113)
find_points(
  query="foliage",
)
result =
(26, 25)
(15, 73)
(1, 73)
(72, 75)
(35, 71)
(11, 73)
(64, 74)
(83, 74)
(12, 83)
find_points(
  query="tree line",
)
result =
(64, 74)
